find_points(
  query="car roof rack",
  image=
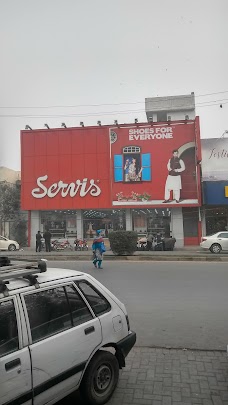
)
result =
(27, 271)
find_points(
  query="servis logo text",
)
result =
(79, 187)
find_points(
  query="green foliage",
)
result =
(20, 231)
(123, 242)
(9, 201)
(10, 212)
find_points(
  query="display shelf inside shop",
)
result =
(58, 233)
(156, 230)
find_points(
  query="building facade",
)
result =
(77, 180)
(170, 108)
(214, 185)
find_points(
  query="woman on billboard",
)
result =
(132, 171)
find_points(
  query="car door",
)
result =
(63, 335)
(15, 366)
(223, 240)
(3, 243)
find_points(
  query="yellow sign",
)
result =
(226, 191)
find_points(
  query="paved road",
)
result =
(177, 304)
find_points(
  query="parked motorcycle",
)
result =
(81, 244)
(142, 244)
(159, 243)
(61, 245)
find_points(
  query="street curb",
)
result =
(121, 258)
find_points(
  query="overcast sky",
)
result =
(106, 53)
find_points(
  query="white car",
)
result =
(60, 330)
(7, 244)
(215, 243)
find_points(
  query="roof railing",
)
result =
(27, 271)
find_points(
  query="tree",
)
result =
(10, 211)
(9, 201)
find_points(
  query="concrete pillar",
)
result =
(128, 219)
(177, 227)
(79, 222)
(35, 226)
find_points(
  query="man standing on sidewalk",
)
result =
(38, 241)
(47, 238)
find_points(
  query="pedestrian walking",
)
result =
(47, 238)
(98, 250)
(38, 241)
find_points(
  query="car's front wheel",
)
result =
(12, 247)
(215, 248)
(100, 379)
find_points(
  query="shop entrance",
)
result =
(216, 220)
(105, 220)
(61, 224)
(152, 221)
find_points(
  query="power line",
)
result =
(99, 105)
(212, 101)
(94, 114)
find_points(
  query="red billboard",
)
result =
(104, 167)
(155, 165)
(65, 169)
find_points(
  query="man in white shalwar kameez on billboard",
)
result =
(173, 182)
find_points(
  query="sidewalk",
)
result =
(173, 377)
(169, 377)
(186, 254)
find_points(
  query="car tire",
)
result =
(100, 378)
(215, 248)
(11, 247)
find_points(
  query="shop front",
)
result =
(141, 177)
(215, 209)
(215, 185)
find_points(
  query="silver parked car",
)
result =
(215, 243)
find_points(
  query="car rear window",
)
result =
(223, 235)
(97, 301)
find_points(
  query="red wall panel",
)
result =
(52, 143)
(40, 144)
(65, 143)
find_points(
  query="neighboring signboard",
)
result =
(154, 165)
(214, 159)
(215, 192)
